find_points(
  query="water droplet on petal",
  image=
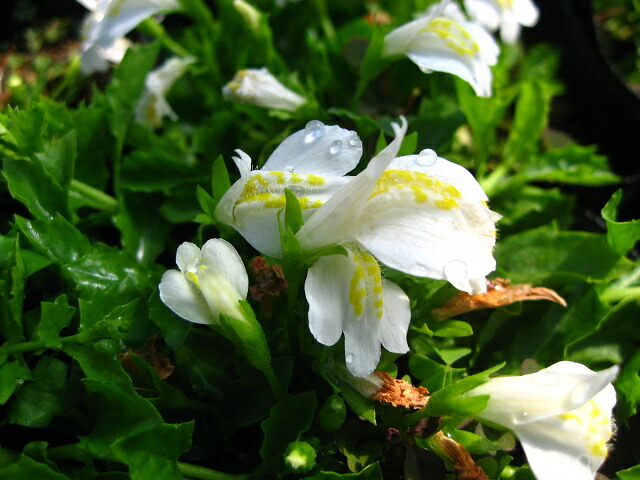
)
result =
(288, 169)
(520, 417)
(455, 270)
(353, 141)
(315, 129)
(348, 358)
(335, 147)
(427, 157)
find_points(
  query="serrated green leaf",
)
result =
(54, 316)
(26, 467)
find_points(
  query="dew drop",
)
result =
(335, 147)
(348, 358)
(455, 270)
(314, 129)
(288, 169)
(520, 417)
(353, 141)
(584, 459)
(427, 157)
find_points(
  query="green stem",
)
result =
(490, 182)
(327, 24)
(153, 28)
(94, 197)
(7, 350)
(612, 296)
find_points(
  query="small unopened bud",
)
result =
(300, 457)
(250, 14)
(332, 413)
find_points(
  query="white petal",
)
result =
(220, 256)
(187, 256)
(160, 80)
(395, 320)
(400, 40)
(224, 209)
(337, 220)
(324, 150)
(327, 291)
(489, 49)
(183, 298)
(115, 53)
(362, 345)
(561, 388)
(426, 241)
(509, 28)
(526, 12)
(485, 12)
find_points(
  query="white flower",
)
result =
(211, 281)
(444, 42)
(311, 163)
(259, 87)
(153, 106)
(348, 294)
(561, 414)
(508, 15)
(108, 23)
(418, 214)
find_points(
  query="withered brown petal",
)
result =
(499, 293)
(400, 393)
(465, 467)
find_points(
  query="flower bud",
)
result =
(300, 457)
(332, 413)
(259, 87)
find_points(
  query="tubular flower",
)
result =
(312, 163)
(418, 214)
(508, 15)
(108, 23)
(561, 414)
(153, 106)
(443, 41)
(259, 87)
(210, 281)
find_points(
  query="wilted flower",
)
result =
(108, 23)
(561, 414)
(508, 15)
(153, 106)
(312, 163)
(259, 87)
(443, 41)
(211, 281)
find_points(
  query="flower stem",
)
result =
(612, 296)
(153, 28)
(93, 197)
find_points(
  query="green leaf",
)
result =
(219, 179)
(156, 169)
(474, 444)
(628, 388)
(12, 283)
(632, 473)
(288, 419)
(292, 212)
(26, 467)
(127, 85)
(372, 472)
(531, 117)
(174, 329)
(59, 159)
(36, 403)
(573, 165)
(12, 374)
(53, 318)
(621, 236)
(360, 405)
(432, 375)
(537, 254)
(452, 329)
(409, 145)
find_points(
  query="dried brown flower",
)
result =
(499, 293)
(465, 467)
(400, 393)
(149, 353)
(270, 283)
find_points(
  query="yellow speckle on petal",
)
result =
(315, 180)
(366, 285)
(423, 188)
(193, 278)
(595, 426)
(454, 36)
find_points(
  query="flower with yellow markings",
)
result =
(311, 163)
(506, 15)
(444, 41)
(561, 414)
